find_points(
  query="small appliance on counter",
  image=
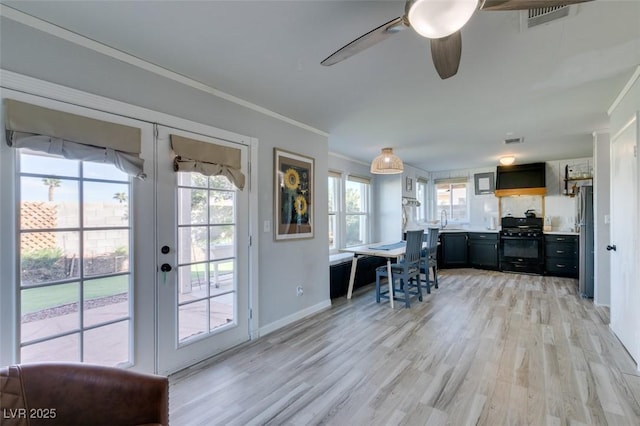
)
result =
(491, 223)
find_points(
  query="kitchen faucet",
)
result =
(443, 223)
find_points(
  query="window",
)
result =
(75, 277)
(421, 195)
(349, 208)
(452, 199)
(334, 209)
(356, 211)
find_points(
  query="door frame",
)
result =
(30, 86)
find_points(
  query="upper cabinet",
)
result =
(521, 179)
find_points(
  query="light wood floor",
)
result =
(486, 348)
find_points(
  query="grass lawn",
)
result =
(197, 271)
(36, 299)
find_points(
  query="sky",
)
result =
(34, 189)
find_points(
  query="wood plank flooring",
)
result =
(485, 348)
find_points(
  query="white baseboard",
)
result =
(311, 310)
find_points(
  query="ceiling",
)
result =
(551, 84)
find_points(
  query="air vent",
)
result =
(543, 15)
(513, 140)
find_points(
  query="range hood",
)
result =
(521, 179)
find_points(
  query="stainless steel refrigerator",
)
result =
(586, 229)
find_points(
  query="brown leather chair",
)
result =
(74, 394)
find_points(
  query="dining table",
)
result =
(389, 250)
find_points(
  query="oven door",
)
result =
(522, 254)
(520, 248)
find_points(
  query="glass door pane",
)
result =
(75, 280)
(207, 235)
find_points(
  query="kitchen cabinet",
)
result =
(483, 250)
(453, 250)
(561, 255)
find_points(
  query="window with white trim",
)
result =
(335, 179)
(357, 210)
(421, 195)
(452, 199)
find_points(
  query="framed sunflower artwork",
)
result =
(293, 195)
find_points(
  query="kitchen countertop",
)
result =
(455, 230)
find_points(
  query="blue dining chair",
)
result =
(429, 258)
(406, 272)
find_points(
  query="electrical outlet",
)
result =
(267, 226)
(299, 291)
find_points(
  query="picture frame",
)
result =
(484, 183)
(293, 195)
(408, 184)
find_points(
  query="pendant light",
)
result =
(387, 163)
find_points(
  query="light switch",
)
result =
(267, 226)
(607, 219)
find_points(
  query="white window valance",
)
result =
(73, 136)
(208, 159)
(452, 180)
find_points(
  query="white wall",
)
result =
(484, 207)
(388, 208)
(282, 265)
(559, 208)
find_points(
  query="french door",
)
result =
(150, 274)
(202, 258)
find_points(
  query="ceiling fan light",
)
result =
(507, 160)
(440, 18)
(387, 163)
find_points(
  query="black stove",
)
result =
(521, 226)
(522, 245)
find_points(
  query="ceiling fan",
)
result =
(440, 21)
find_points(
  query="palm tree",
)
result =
(52, 183)
(120, 196)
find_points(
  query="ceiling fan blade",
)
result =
(369, 39)
(525, 4)
(446, 53)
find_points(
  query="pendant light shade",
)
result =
(440, 18)
(387, 163)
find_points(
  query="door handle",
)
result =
(165, 267)
(611, 247)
